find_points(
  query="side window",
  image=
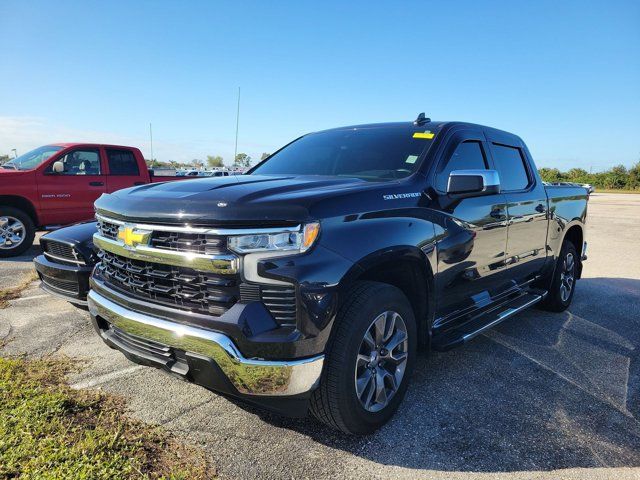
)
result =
(81, 162)
(467, 156)
(511, 168)
(122, 162)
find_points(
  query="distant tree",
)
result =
(242, 160)
(3, 159)
(197, 163)
(264, 155)
(216, 161)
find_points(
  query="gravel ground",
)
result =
(540, 396)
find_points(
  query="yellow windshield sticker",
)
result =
(426, 135)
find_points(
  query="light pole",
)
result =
(235, 151)
(15, 153)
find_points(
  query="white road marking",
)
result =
(107, 377)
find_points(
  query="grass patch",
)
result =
(48, 430)
(10, 293)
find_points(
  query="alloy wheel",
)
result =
(12, 232)
(382, 360)
(567, 277)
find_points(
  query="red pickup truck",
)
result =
(57, 184)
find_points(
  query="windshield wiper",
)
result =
(9, 166)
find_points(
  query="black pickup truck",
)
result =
(311, 282)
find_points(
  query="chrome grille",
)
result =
(107, 229)
(189, 242)
(182, 287)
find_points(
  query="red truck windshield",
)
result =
(32, 159)
(378, 153)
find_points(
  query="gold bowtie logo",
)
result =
(131, 237)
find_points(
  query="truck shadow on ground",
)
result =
(542, 391)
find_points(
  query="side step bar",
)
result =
(461, 334)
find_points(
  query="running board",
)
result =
(463, 333)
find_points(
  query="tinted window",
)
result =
(467, 156)
(378, 153)
(81, 162)
(511, 168)
(122, 162)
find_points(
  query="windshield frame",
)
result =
(30, 155)
(408, 128)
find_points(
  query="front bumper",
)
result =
(206, 357)
(70, 282)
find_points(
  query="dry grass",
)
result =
(10, 293)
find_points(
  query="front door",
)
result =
(68, 196)
(471, 258)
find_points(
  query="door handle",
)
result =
(96, 184)
(540, 208)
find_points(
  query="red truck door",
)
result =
(123, 169)
(68, 196)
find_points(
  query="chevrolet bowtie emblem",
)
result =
(131, 236)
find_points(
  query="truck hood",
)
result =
(235, 200)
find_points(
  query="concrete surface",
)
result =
(541, 396)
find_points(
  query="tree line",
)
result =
(616, 178)
(241, 161)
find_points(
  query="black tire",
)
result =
(556, 300)
(335, 402)
(29, 231)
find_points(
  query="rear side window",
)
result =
(511, 168)
(467, 156)
(122, 162)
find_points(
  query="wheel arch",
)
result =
(21, 203)
(406, 268)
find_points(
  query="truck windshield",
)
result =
(32, 159)
(374, 153)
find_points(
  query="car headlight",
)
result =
(276, 242)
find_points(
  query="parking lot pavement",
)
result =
(541, 396)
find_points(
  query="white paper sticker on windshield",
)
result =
(411, 159)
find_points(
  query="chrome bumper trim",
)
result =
(248, 376)
(225, 264)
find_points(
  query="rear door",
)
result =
(526, 207)
(471, 258)
(123, 169)
(68, 197)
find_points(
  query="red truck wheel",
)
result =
(16, 232)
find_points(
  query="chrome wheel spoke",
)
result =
(381, 390)
(363, 381)
(12, 232)
(379, 326)
(368, 339)
(398, 338)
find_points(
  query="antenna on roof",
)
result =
(421, 119)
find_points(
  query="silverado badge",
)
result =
(131, 236)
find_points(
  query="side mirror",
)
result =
(473, 183)
(57, 167)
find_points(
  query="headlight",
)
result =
(276, 242)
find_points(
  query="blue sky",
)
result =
(563, 75)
